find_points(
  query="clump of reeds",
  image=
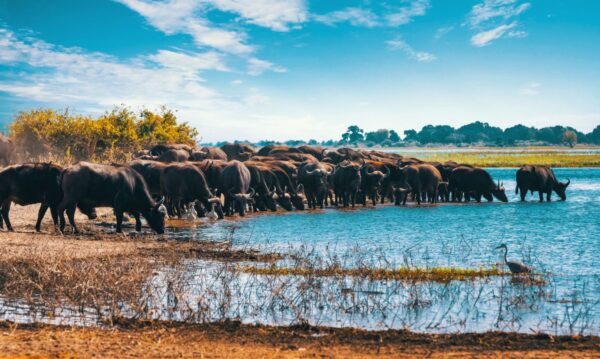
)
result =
(437, 274)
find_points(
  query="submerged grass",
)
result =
(438, 274)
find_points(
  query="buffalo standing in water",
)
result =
(474, 181)
(422, 180)
(541, 179)
(235, 184)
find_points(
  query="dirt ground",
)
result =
(232, 339)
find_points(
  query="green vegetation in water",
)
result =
(514, 159)
(437, 274)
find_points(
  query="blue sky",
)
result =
(277, 69)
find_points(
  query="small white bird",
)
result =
(191, 213)
(212, 215)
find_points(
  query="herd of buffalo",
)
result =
(172, 180)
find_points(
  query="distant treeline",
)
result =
(476, 133)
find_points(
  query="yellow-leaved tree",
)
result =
(113, 137)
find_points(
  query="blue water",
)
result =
(559, 239)
(562, 237)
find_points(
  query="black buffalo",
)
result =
(238, 151)
(541, 179)
(313, 177)
(423, 181)
(373, 175)
(346, 182)
(32, 183)
(120, 187)
(472, 181)
(235, 186)
(162, 148)
(184, 183)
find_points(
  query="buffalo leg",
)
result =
(541, 196)
(549, 196)
(41, 213)
(71, 214)
(119, 215)
(523, 193)
(5, 212)
(138, 222)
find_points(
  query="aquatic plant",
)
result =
(439, 274)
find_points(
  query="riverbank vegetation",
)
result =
(440, 274)
(114, 136)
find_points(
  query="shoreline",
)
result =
(233, 339)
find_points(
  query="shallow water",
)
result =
(559, 238)
(563, 237)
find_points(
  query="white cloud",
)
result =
(530, 89)
(189, 61)
(181, 17)
(276, 15)
(421, 56)
(258, 66)
(72, 77)
(490, 20)
(405, 14)
(486, 37)
(353, 15)
(490, 9)
(442, 31)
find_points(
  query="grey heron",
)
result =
(515, 267)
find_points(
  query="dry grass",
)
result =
(440, 275)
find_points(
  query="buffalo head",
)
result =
(242, 199)
(561, 189)
(499, 192)
(155, 216)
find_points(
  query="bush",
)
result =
(114, 136)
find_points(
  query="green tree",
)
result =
(394, 137)
(410, 136)
(353, 135)
(377, 136)
(569, 137)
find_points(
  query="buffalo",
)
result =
(238, 151)
(313, 177)
(373, 175)
(31, 183)
(174, 155)
(346, 182)
(235, 185)
(183, 183)
(120, 187)
(208, 153)
(541, 179)
(466, 181)
(162, 148)
(423, 181)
